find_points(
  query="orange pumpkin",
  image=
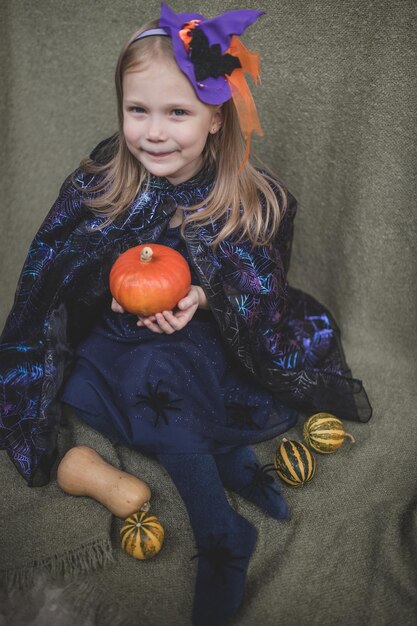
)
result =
(149, 278)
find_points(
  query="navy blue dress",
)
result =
(177, 393)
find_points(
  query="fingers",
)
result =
(165, 322)
(116, 307)
(159, 323)
(191, 299)
(151, 318)
(153, 326)
(145, 321)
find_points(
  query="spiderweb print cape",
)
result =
(282, 336)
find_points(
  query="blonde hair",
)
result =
(250, 198)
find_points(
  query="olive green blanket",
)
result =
(338, 104)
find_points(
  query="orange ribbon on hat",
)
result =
(242, 97)
(245, 105)
(184, 33)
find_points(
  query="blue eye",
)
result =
(136, 109)
(179, 112)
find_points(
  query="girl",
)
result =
(241, 353)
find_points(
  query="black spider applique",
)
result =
(159, 401)
(220, 557)
(241, 415)
(261, 479)
(209, 60)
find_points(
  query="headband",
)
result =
(214, 59)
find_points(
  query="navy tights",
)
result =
(225, 540)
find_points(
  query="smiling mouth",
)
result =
(159, 155)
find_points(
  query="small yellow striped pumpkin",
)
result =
(294, 463)
(324, 433)
(142, 535)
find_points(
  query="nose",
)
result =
(155, 129)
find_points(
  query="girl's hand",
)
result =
(116, 307)
(169, 321)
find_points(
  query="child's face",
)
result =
(164, 123)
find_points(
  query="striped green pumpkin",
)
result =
(294, 463)
(324, 433)
(142, 535)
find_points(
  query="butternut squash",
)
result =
(83, 472)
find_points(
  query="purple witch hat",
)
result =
(214, 60)
(218, 32)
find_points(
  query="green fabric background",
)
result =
(338, 105)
